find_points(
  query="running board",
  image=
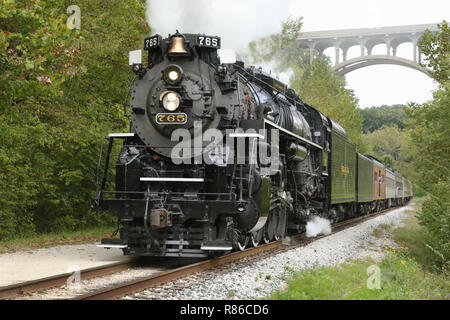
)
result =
(110, 246)
(216, 245)
(213, 248)
(109, 243)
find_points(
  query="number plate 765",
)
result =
(171, 118)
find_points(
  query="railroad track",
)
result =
(161, 278)
(142, 284)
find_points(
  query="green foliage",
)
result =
(316, 84)
(430, 142)
(436, 49)
(413, 237)
(377, 117)
(87, 235)
(386, 139)
(281, 49)
(321, 88)
(387, 144)
(61, 91)
(429, 132)
(435, 217)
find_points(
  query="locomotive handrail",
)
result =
(167, 193)
(98, 168)
(292, 134)
(110, 138)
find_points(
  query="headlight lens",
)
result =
(171, 101)
(173, 74)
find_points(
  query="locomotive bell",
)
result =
(177, 46)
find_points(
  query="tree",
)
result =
(377, 117)
(391, 146)
(436, 49)
(61, 91)
(430, 135)
(282, 49)
(387, 141)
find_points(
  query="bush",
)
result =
(435, 217)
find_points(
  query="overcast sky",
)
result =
(379, 84)
(240, 21)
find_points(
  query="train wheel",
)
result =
(281, 227)
(271, 226)
(242, 243)
(254, 240)
(266, 238)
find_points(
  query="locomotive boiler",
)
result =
(221, 156)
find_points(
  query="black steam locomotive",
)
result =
(221, 156)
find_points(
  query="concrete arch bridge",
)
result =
(367, 38)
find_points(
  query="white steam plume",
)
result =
(318, 226)
(237, 22)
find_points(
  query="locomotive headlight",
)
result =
(170, 101)
(173, 74)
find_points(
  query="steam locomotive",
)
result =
(221, 156)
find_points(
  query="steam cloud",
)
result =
(237, 22)
(318, 226)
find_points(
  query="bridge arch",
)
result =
(367, 39)
(365, 61)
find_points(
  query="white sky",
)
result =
(379, 84)
(238, 22)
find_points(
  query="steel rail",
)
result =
(18, 289)
(138, 285)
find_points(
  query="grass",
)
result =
(419, 200)
(405, 273)
(381, 230)
(400, 278)
(412, 236)
(56, 239)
